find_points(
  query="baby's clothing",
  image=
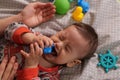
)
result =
(43, 74)
(11, 44)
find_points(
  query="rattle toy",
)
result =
(48, 50)
(107, 61)
(77, 14)
(62, 6)
(84, 5)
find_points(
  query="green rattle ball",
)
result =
(62, 6)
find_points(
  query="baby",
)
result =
(76, 42)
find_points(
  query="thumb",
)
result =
(38, 4)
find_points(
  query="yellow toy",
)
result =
(77, 15)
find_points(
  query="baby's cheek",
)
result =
(60, 60)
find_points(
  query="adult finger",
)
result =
(48, 5)
(45, 9)
(3, 65)
(13, 72)
(48, 9)
(49, 12)
(38, 4)
(9, 67)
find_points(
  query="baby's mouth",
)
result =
(50, 51)
(54, 52)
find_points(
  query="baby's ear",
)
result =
(73, 63)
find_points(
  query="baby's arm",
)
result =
(30, 69)
(21, 34)
(39, 38)
(28, 37)
(14, 32)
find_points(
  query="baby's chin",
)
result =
(50, 58)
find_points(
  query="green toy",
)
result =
(108, 61)
(62, 6)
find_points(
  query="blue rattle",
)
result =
(48, 50)
(107, 61)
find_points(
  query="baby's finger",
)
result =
(32, 50)
(37, 33)
(39, 51)
(41, 43)
(46, 41)
(50, 42)
(36, 48)
(24, 53)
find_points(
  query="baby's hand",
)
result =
(32, 59)
(44, 41)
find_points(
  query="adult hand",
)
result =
(8, 69)
(36, 13)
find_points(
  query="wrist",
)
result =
(4, 23)
(18, 18)
(28, 38)
(26, 66)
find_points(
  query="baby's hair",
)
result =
(90, 34)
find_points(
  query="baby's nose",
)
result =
(58, 45)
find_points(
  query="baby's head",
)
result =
(74, 43)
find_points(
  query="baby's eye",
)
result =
(61, 38)
(67, 48)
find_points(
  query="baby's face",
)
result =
(69, 45)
